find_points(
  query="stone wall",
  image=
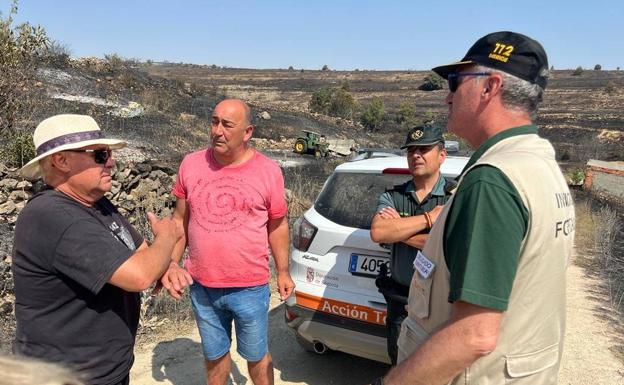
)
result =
(605, 180)
(137, 188)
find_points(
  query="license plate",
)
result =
(367, 265)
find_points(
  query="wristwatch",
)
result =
(377, 381)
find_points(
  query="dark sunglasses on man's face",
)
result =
(453, 78)
(100, 155)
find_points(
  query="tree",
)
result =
(325, 68)
(432, 82)
(597, 67)
(578, 71)
(374, 114)
(20, 48)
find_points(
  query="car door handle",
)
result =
(378, 305)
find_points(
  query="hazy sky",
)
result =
(344, 35)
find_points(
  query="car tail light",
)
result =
(393, 170)
(290, 315)
(303, 234)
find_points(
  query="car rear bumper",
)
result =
(339, 333)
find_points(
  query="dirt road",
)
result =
(178, 360)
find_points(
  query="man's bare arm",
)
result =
(181, 217)
(471, 333)
(417, 241)
(148, 263)
(280, 244)
(176, 278)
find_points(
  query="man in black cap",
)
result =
(405, 213)
(487, 299)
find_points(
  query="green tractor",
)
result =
(312, 143)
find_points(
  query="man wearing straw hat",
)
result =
(78, 265)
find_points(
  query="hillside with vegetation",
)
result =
(164, 110)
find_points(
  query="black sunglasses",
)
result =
(453, 78)
(100, 155)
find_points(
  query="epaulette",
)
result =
(450, 185)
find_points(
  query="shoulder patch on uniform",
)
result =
(450, 186)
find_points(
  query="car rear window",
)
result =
(350, 199)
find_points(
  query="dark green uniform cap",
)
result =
(424, 135)
(509, 52)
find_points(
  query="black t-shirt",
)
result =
(63, 255)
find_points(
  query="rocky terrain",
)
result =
(581, 114)
(163, 110)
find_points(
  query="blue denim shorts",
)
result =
(215, 308)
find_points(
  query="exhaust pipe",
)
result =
(319, 347)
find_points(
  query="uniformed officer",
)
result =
(405, 213)
(487, 300)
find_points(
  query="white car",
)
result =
(334, 262)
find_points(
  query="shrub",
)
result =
(290, 68)
(342, 103)
(114, 62)
(320, 101)
(577, 176)
(374, 114)
(18, 148)
(325, 68)
(597, 67)
(406, 115)
(57, 54)
(20, 50)
(578, 71)
(565, 156)
(429, 116)
(609, 87)
(336, 102)
(432, 82)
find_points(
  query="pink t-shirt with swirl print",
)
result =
(229, 208)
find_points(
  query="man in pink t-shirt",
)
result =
(231, 202)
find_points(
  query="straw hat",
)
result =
(65, 132)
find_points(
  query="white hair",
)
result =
(519, 94)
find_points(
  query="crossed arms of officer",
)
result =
(389, 227)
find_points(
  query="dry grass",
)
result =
(600, 251)
(302, 191)
(609, 256)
